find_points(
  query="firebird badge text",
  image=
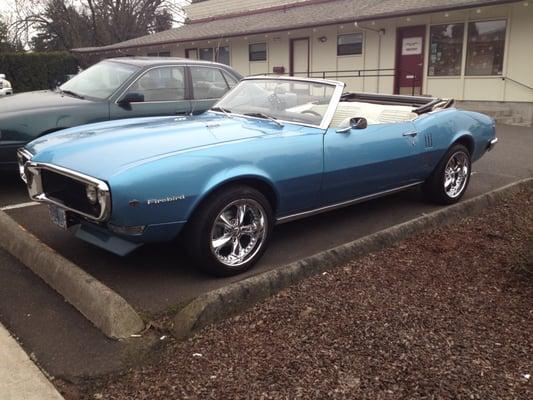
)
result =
(165, 200)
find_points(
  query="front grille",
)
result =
(67, 191)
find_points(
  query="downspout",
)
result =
(380, 33)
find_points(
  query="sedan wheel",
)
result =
(229, 232)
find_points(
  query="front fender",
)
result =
(236, 174)
(162, 193)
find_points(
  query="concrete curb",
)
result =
(108, 311)
(222, 303)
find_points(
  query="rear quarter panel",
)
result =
(441, 129)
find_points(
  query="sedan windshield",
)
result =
(302, 102)
(99, 81)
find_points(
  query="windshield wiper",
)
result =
(70, 92)
(222, 109)
(264, 116)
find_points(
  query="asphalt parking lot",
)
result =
(159, 278)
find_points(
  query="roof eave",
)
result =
(419, 11)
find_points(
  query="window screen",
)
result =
(258, 52)
(350, 44)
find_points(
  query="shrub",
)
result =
(36, 71)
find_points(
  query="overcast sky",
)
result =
(5, 5)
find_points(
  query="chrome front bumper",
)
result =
(30, 173)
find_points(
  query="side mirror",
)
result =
(355, 123)
(2, 76)
(359, 123)
(131, 97)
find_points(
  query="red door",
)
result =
(409, 60)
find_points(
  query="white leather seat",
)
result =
(374, 113)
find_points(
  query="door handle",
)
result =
(411, 134)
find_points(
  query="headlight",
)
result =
(92, 194)
(22, 158)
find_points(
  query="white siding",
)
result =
(379, 52)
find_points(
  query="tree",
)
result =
(61, 27)
(66, 24)
(7, 43)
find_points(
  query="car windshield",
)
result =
(295, 101)
(99, 81)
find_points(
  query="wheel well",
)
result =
(258, 184)
(466, 141)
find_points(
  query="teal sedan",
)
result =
(112, 89)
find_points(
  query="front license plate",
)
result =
(58, 216)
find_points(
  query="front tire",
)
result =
(448, 182)
(229, 233)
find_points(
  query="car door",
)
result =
(158, 91)
(362, 162)
(208, 84)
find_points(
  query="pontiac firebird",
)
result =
(274, 149)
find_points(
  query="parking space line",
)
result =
(20, 205)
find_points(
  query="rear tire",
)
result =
(448, 182)
(230, 231)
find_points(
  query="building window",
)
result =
(350, 44)
(446, 49)
(220, 54)
(191, 53)
(486, 42)
(206, 54)
(257, 51)
(160, 54)
(223, 55)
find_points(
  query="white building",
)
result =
(475, 51)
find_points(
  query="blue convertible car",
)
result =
(272, 150)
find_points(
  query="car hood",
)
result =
(101, 150)
(41, 100)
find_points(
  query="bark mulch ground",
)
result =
(447, 314)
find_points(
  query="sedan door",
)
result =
(159, 91)
(209, 84)
(366, 161)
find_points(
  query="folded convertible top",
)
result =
(422, 104)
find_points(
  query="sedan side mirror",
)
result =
(355, 123)
(131, 97)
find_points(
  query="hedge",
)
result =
(36, 71)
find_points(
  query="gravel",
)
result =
(444, 314)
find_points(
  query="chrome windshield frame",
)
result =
(328, 115)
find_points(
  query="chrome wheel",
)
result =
(456, 174)
(239, 232)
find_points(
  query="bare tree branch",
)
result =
(79, 23)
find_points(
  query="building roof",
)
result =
(215, 8)
(286, 16)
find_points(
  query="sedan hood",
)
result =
(41, 100)
(101, 150)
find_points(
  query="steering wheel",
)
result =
(312, 113)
